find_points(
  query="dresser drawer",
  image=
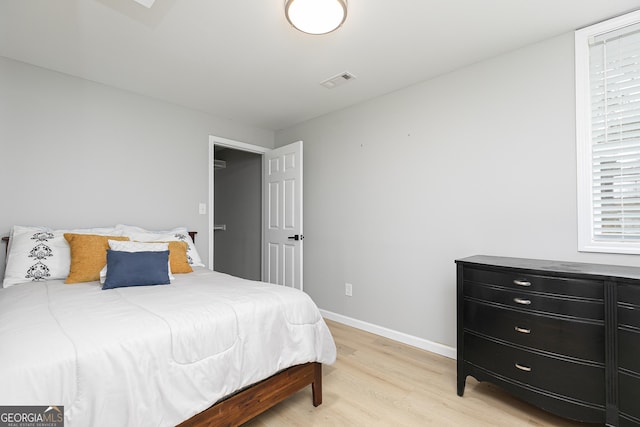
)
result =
(567, 378)
(629, 315)
(629, 395)
(626, 421)
(537, 283)
(520, 299)
(629, 294)
(629, 305)
(629, 351)
(537, 331)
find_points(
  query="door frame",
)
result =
(241, 146)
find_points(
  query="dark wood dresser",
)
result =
(563, 336)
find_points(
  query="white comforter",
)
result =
(152, 355)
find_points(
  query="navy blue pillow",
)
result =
(136, 269)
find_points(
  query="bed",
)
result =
(208, 349)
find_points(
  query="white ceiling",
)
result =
(240, 59)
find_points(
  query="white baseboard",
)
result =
(421, 343)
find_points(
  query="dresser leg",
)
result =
(461, 383)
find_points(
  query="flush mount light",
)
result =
(145, 3)
(316, 16)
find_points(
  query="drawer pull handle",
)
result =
(523, 330)
(521, 283)
(522, 301)
(523, 368)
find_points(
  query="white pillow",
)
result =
(124, 246)
(180, 234)
(39, 253)
(135, 229)
(128, 246)
(35, 254)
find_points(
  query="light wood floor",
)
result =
(380, 382)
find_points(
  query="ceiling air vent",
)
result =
(338, 80)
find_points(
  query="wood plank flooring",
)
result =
(380, 382)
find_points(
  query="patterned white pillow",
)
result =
(180, 234)
(40, 253)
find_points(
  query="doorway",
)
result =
(280, 209)
(237, 213)
(234, 227)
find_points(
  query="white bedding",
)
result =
(150, 355)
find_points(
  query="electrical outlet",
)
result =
(348, 289)
(202, 208)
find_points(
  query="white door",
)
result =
(283, 216)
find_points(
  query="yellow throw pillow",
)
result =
(178, 260)
(88, 256)
(178, 257)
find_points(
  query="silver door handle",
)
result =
(523, 330)
(522, 301)
(523, 368)
(521, 283)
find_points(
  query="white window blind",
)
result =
(609, 140)
(615, 135)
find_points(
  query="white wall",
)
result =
(478, 161)
(74, 153)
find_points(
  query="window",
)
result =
(608, 135)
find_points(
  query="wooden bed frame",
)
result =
(250, 402)
(254, 400)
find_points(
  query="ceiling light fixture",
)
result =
(316, 16)
(146, 3)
